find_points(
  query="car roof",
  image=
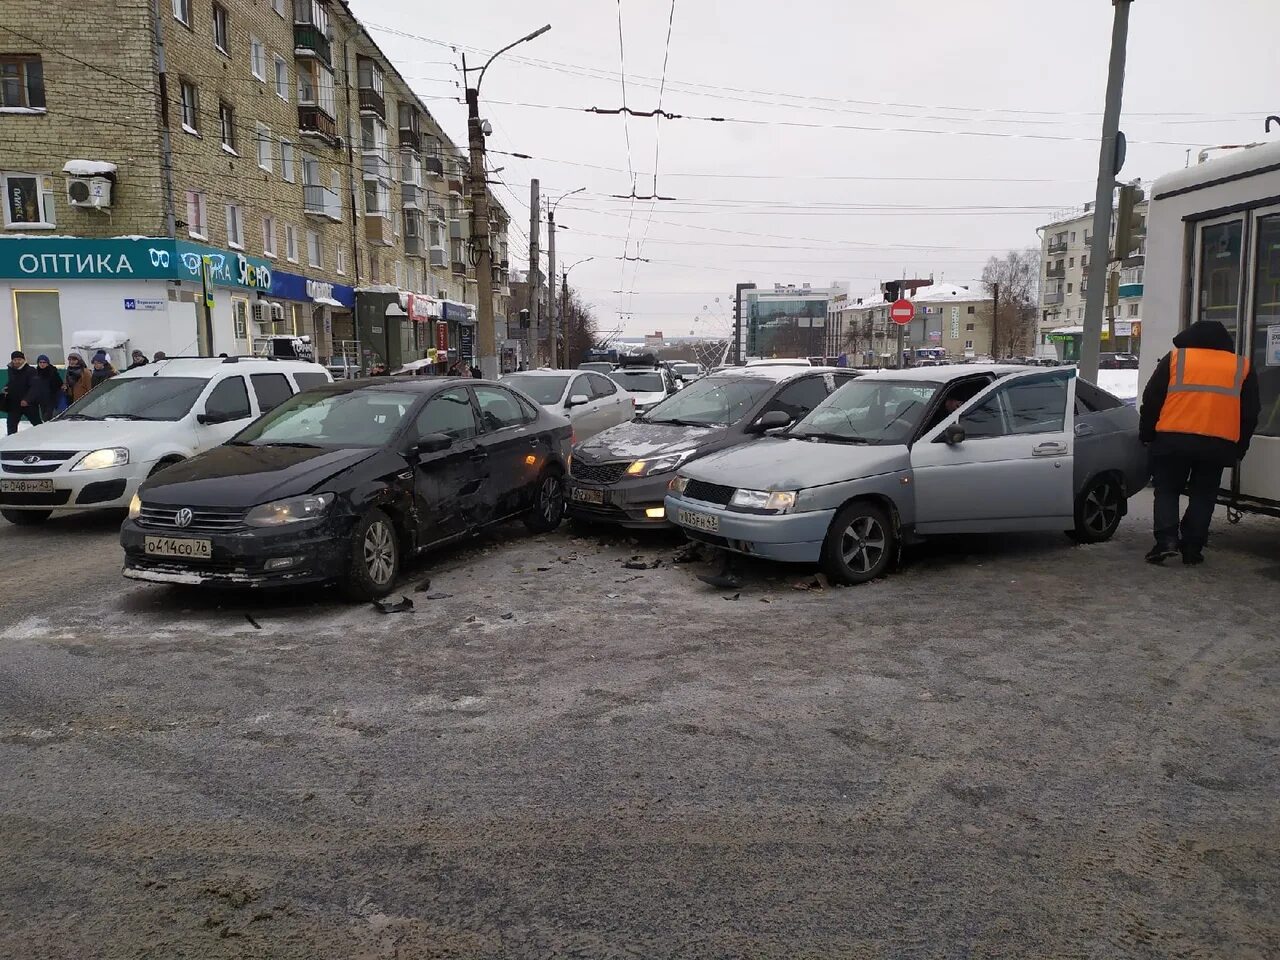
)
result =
(543, 373)
(208, 366)
(774, 371)
(402, 384)
(947, 372)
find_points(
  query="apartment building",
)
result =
(952, 317)
(1064, 285)
(278, 180)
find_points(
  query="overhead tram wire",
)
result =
(626, 131)
(657, 140)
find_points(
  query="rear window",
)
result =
(306, 381)
(271, 389)
(646, 381)
(1089, 399)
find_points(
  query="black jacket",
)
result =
(1204, 335)
(45, 387)
(20, 384)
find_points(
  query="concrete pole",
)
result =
(554, 346)
(535, 277)
(486, 344)
(1109, 162)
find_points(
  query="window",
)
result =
(449, 413)
(221, 29)
(227, 125)
(182, 11)
(28, 201)
(1266, 315)
(968, 328)
(286, 160)
(1087, 236)
(257, 58)
(340, 259)
(306, 381)
(266, 149)
(271, 389)
(229, 400)
(1073, 236)
(968, 344)
(797, 399)
(1069, 286)
(39, 320)
(1133, 309)
(197, 222)
(1026, 406)
(601, 386)
(1089, 399)
(970, 310)
(279, 6)
(314, 255)
(269, 236)
(282, 78)
(1071, 262)
(1218, 283)
(290, 242)
(1084, 263)
(21, 83)
(499, 409)
(397, 274)
(190, 106)
(235, 226)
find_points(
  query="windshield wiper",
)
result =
(125, 416)
(680, 423)
(78, 416)
(830, 437)
(296, 444)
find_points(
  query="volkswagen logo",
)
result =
(183, 517)
(31, 458)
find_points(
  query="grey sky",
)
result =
(1023, 69)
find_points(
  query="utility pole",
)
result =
(995, 321)
(554, 345)
(1110, 160)
(535, 276)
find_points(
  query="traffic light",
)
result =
(1128, 223)
(892, 289)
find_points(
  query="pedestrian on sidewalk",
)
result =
(1199, 411)
(102, 369)
(18, 393)
(160, 355)
(78, 378)
(46, 388)
(139, 360)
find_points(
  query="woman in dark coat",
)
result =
(45, 387)
(102, 368)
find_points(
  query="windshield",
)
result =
(597, 367)
(639, 381)
(687, 369)
(712, 401)
(542, 389)
(139, 398)
(356, 418)
(869, 411)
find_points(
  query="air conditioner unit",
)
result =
(261, 311)
(277, 312)
(438, 257)
(89, 192)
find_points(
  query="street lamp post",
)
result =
(483, 254)
(564, 292)
(551, 276)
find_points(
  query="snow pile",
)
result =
(88, 168)
(98, 339)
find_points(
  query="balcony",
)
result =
(411, 196)
(414, 247)
(1051, 299)
(1055, 273)
(311, 119)
(1057, 246)
(377, 229)
(455, 187)
(433, 166)
(1130, 291)
(459, 268)
(322, 202)
(437, 213)
(456, 231)
(438, 257)
(411, 139)
(376, 165)
(310, 41)
(371, 101)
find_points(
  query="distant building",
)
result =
(783, 321)
(954, 317)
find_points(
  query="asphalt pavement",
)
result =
(1013, 747)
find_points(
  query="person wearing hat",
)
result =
(18, 393)
(46, 388)
(77, 381)
(139, 360)
(102, 369)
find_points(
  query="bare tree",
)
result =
(1018, 277)
(579, 327)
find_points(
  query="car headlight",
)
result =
(101, 459)
(293, 510)
(135, 507)
(647, 468)
(778, 501)
(678, 484)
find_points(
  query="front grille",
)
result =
(48, 462)
(203, 520)
(709, 492)
(702, 535)
(598, 472)
(55, 499)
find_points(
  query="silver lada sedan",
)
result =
(901, 454)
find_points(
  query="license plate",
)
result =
(177, 547)
(699, 521)
(586, 495)
(26, 486)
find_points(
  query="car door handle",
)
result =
(479, 456)
(1050, 448)
(1084, 430)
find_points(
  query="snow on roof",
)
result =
(1242, 161)
(88, 168)
(968, 290)
(98, 339)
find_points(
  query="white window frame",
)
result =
(48, 212)
(282, 77)
(315, 252)
(182, 11)
(183, 87)
(286, 161)
(290, 243)
(280, 6)
(340, 259)
(197, 215)
(266, 149)
(235, 217)
(223, 44)
(257, 58)
(269, 236)
(228, 138)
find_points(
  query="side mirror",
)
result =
(207, 419)
(433, 443)
(953, 434)
(772, 420)
(577, 400)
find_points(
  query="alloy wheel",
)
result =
(862, 544)
(379, 552)
(1101, 508)
(549, 499)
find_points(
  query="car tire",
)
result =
(374, 561)
(26, 518)
(860, 545)
(1099, 510)
(548, 504)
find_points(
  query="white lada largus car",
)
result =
(96, 453)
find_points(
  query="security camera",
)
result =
(486, 128)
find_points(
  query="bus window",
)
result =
(1219, 278)
(1266, 314)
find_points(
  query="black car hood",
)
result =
(233, 476)
(634, 440)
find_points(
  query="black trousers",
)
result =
(1200, 479)
(16, 413)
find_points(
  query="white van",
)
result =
(96, 453)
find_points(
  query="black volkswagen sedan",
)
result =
(620, 475)
(340, 483)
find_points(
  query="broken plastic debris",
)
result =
(613, 596)
(736, 596)
(393, 606)
(508, 616)
(423, 587)
(723, 581)
(254, 623)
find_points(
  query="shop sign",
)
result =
(421, 308)
(466, 340)
(456, 312)
(145, 303)
(442, 336)
(291, 286)
(1273, 345)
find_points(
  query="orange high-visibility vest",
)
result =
(1204, 393)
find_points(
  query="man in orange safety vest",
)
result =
(1199, 411)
